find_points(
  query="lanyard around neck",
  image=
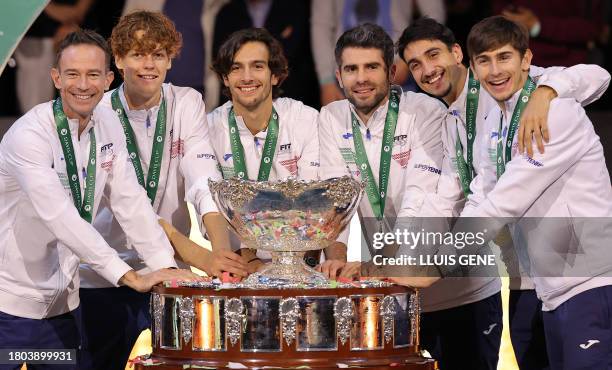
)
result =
(132, 147)
(523, 99)
(85, 205)
(269, 148)
(377, 195)
(465, 167)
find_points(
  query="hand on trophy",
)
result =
(144, 283)
(331, 268)
(249, 257)
(351, 270)
(222, 260)
(212, 263)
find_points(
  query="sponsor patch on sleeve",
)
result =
(427, 168)
(206, 156)
(534, 162)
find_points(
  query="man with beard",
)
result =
(387, 138)
(55, 164)
(434, 59)
(171, 156)
(257, 135)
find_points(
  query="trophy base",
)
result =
(415, 363)
(285, 268)
(365, 325)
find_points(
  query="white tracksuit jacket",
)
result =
(584, 83)
(188, 162)
(43, 237)
(415, 170)
(570, 182)
(297, 146)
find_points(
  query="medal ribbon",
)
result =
(269, 148)
(376, 195)
(465, 168)
(514, 123)
(84, 206)
(158, 145)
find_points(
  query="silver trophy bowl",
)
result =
(287, 218)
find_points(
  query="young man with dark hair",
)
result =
(434, 59)
(547, 196)
(387, 138)
(258, 135)
(171, 156)
(55, 164)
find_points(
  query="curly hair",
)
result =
(225, 57)
(159, 31)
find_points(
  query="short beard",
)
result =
(367, 109)
(445, 93)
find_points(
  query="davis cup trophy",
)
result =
(287, 315)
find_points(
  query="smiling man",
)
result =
(171, 156)
(56, 164)
(560, 201)
(257, 135)
(387, 138)
(435, 61)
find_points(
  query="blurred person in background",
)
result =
(288, 22)
(562, 33)
(461, 15)
(330, 18)
(195, 20)
(36, 51)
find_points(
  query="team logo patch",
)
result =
(108, 165)
(107, 149)
(227, 172)
(348, 135)
(227, 156)
(63, 180)
(177, 148)
(284, 148)
(400, 139)
(402, 158)
(291, 165)
(348, 155)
